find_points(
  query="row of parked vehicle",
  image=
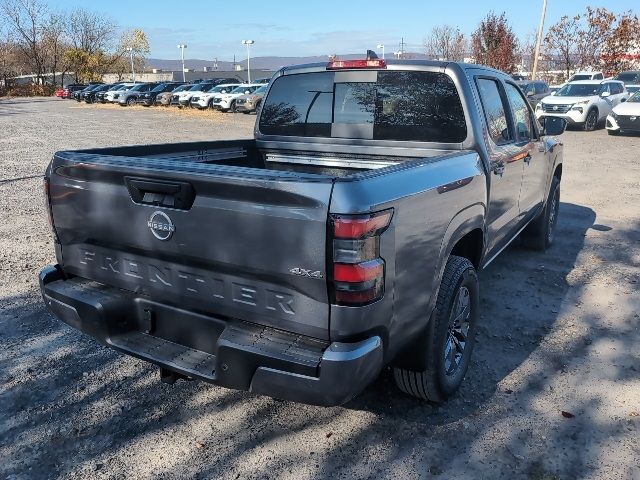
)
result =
(224, 94)
(589, 100)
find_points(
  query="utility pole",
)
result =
(538, 40)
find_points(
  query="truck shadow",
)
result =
(73, 408)
(521, 293)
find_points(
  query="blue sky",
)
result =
(308, 27)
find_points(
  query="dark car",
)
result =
(534, 90)
(91, 95)
(220, 81)
(630, 77)
(68, 91)
(149, 98)
(131, 96)
(99, 96)
(79, 95)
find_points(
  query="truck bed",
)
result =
(243, 154)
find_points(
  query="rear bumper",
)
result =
(229, 353)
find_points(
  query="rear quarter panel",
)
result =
(429, 197)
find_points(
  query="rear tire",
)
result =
(448, 341)
(540, 233)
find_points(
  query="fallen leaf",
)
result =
(329, 434)
(199, 445)
(508, 390)
(567, 414)
(634, 414)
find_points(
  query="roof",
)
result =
(594, 82)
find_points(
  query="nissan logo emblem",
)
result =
(161, 225)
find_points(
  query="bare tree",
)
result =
(8, 57)
(561, 42)
(26, 19)
(90, 32)
(54, 45)
(446, 43)
(494, 43)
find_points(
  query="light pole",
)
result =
(182, 46)
(133, 74)
(381, 45)
(248, 43)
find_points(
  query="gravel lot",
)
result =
(560, 333)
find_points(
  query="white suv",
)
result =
(227, 101)
(586, 76)
(585, 103)
(114, 95)
(205, 99)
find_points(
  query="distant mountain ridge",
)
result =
(258, 63)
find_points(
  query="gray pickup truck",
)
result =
(345, 237)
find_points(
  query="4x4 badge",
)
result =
(303, 272)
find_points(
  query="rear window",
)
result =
(410, 106)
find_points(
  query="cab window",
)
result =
(521, 114)
(495, 111)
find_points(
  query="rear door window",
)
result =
(412, 106)
(521, 114)
(495, 111)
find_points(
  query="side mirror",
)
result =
(553, 125)
(553, 93)
(605, 94)
(529, 93)
(623, 100)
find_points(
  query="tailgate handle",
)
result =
(159, 193)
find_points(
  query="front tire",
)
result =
(540, 233)
(591, 122)
(130, 101)
(613, 132)
(448, 342)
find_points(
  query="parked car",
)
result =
(630, 77)
(59, 92)
(69, 90)
(90, 96)
(79, 94)
(221, 81)
(131, 96)
(250, 102)
(625, 117)
(534, 90)
(584, 103)
(344, 238)
(586, 76)
(114, 95)
(183, 98)
(226, 102)
(205, 99)
(101, 96)
(165, 98)
(262, 80)
(632, 88)
(149, 98)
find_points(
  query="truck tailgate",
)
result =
(230, 241)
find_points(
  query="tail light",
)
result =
(47, 205)
(357, 269)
